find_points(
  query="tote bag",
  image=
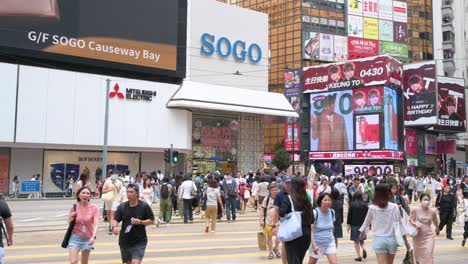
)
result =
(69, 232)
(397, 230)
(291, 227)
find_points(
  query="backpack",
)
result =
(230, 188)
(164, 191)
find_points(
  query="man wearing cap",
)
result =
(135, 215)
(278, 200)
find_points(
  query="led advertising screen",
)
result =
(331, 121)
(355, 26)
(371, 71)
(451, 104)
(411, 142)
(420, 94)
(142, 36)
(368, 100)
(385, 30)
(368, 169)
(367, 131)
(391, 119)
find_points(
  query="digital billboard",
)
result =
(367, 131)
(451, 104)
(386, 9)
(390, 119)
(355, 7)
(371, 28)
(331, 121)
(340, 50)
(370, 8)
(355, 26)
(400, 32)
(326, 47)
(385, 30)
(368, 100)
(144, 36)
(311, 45)
(420, 93)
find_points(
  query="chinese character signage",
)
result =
(420, 94)
(393, 49)
(357, 155)
(400, 32)
(292, 82)
(451, 104)
(400, 11)
(370, 8)
(362, 48)
(30, 186)
(371, 28)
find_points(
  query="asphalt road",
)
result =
(40, 227)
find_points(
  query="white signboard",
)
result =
(386, 9)
(400, 11)
(368, 169)
(370, 8)
(355, 26)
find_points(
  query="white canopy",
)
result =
(233, 99)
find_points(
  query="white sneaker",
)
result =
(212, 231)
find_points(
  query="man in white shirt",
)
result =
(186, 194)
(409, 184)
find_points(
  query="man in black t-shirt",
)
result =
(5, 213)
(464, 187)
(135, 215)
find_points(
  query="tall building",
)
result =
(420, 32)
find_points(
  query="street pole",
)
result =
(106, 130)
(293, 145)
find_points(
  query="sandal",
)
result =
(270, 256)
(278, 255)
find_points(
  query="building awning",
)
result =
(227, 98)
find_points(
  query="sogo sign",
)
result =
(239, 49)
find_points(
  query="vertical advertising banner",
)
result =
(390, 125)
(291, 141)
(355, 26)
(360, 48)
(292, 82)
(400, 32)
(370, 8)
(371, 28)
(367, 131)
(340, 51)
(355, 7)
(311, 45)
(431, 144)
(420, 93)
(411, 142)
(331, 121)
(385, 30)
(326, 47)
(451, 104)
(386, 9)
(421, 146)
(368, 100)
(400, 11)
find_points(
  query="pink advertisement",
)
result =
(446, 147)
(216, 138)
(370, 8)
(411, 142)
(361, 48)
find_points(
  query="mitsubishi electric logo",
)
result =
(133, 94)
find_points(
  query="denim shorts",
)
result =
(2, 255)
(79, 242)
(384, 244)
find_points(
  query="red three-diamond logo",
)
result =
(116, 92)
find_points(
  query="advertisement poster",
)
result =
(372, 71)
(355, 26)
(358, 155)
(400, 11)
(431, 144)
(451, 104)
(411, 142)
(4, 170)
(311, 45)
(292, 82)
(355, 7)
(446, 147)
(386, 9)
(367, 132)
(391, 119)
(292, 131)
(341, 48)
(326, 47)
(421, 146)
(385, 30)
(420, 93)
(371, 28)
(370, 170)
(75, 32)
(370, 8)
(400, 32)
(361, 48)
(393, 49)
(368, 100)
(331, 121)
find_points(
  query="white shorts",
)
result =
(331, 249)
(115, 205)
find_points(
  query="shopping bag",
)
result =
(409, 258)
(291, 227)
(261, 241)
(246, 194)
(398, 234)
(410, 229)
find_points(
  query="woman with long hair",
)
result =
(323, 243)
(213, 197)
(147, 192)
(297, 248)
(86, 225)
(337, 206)
(83, 181)
(383, 216)
(423, 218)
(356, 214)
(446, 203)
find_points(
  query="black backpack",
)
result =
(164, 191)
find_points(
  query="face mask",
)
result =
(114, 177)
(425, 203)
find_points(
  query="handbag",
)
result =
(409, 257)
(193, 193)
(261, 238)
(108, 196)
(246, 194)
(68, 234)
(410, 229)
(291, 227)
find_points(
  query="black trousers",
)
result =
(297, 248)
(465, 234)
(446, 218)
(188, 210)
